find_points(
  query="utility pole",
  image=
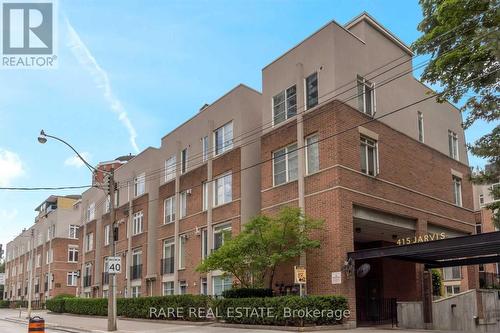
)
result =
(32, 267)
(112, 277)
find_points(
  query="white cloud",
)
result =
(75, 161)
(87, 60)
(11, 167)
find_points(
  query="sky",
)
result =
(131, 71)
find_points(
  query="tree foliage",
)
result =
(462, 38)
(265, 242)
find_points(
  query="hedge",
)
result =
(247, 293)
(4, 304)
(56, 304)
(285, 310)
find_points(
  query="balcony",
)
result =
(105, 278)
(167, 266)
(87, 281)
(136, 272)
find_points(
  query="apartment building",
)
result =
(177, 203)
(47, 252)
(375, 176)
(489, 274)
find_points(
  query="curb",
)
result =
(50, 326)
(285, 328)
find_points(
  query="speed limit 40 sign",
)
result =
(114, 265)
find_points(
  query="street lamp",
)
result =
(42, 138)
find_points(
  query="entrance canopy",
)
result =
(458, 251)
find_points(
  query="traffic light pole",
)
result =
(112, 277)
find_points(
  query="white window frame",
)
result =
(107, 204)
(91, 212)
(288, 150)
(222, 229)
(107, 234)
(170, 168)
(73, 231)
(182, 283)
(453, 145)
(366, 143)
(167, 291)
(183, 204)
(447, 271)
(204, 243)
(204, 148)
(420, 126)
(140, 184)
(89, 242)
(371, 85)
(169, 210)
(225, 179)
(457, 190)
(224, 285)
(204, 201)
(287, 97)
(73, 253)
(184, 160)
(136, 291)
(306, 94)
(308, 148)
(138, 223)
(227, 143)
(74, 279)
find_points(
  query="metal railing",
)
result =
(167, 265)
(87, 281)
(136, 272)
(376, 311)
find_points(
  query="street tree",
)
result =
(265, 242)
(465, 62)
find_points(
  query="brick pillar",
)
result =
(420, 230)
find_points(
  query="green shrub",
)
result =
(86, 306)
(285, 311)
(247, 292)
(56, 304)
(4, 304)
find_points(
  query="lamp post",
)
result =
(42, 138)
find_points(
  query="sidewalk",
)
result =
(87, 324)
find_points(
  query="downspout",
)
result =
(210, 200)
(178, 162)
(129, 241)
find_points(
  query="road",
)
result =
(9, 327)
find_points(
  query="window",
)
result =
(140, 184)
(136, 264)
(71, 281)
(168, 256)
(72, 254)
(38, 260)
(221, 283)
(203, 286)
(312, 90)
(89, 242)
(223, 190)
(107, 204)
(204, 147)
(182, 251)
(285, 165)
(205, 196)
(452, 273)
(168, 288)
(136, 291)
(452, 290)
(182, 287)
(91, 212)
(183, 204)
(481, 199)
(170, 168)
(137, 223)
(453, 144)
(223, 138)
(312, 154)
(457, 191)
(49, 256)
(107, 234)
(221, 233)
(204, 243)
(285, 105)
(495, 189)
(366, 96)
(420, 120)
(184, 158)
(51, 232)
(169, 210)
(369, 156)
(73, 231)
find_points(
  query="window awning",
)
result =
(458, 251)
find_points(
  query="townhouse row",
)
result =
(322, 136)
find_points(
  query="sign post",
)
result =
(300, 278)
